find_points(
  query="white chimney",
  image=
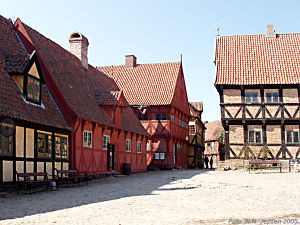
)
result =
(130, 61)
(79, 47)
(270, 32)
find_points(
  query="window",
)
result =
(172, 118)
(44, 144)
(180, 148)
(251, 97)
(143, 116)
(33, 89)
(210, 144)
(139, 147)
(61, 146)
(186, 126)
(87, 139)
(272, 97)
(254, 137)
(192, 128)
(160, 155)
(6, 145)
(179, 122)
(183, 124)
(148, 146)
(106, 141)
(161, 116)
(128, 145)
(292, 137)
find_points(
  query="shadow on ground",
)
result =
(111, 188)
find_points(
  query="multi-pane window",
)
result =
(292, 137)
(251, 97)
(33, 89)
(61, 146)
(179, 122)
(172, 118)
(143, 116)
(183, 124)
(254, 137)
(87, 139)
(6, 145)
(44, 144)
(272, 97)
(192, 128)
(128, 145)
(106, 141)
(148, 146)
(139, 147)
(161, 116)
(160, 155)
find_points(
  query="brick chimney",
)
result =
(79, 47)
(130, 61)
(270, 32)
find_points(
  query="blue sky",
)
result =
(157, 31)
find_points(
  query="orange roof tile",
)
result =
(256, 59)
(146, 84)
(213, 130)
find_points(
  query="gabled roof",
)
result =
(196, 108)
(146, 84)
(213, 130)
(13, 59)
(78, 84)
(256, 59)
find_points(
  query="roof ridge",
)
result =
(140, 64)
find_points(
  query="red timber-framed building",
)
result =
(159, 89)
(38, 135)
(106, 132)
(258, 79)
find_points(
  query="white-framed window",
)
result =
(106, 141)
(292, 137)
(192, 128)
(139, 147)
(172, 118)
(251, 97)
(254, 137)
(272, 97)
(159, 155)
(128, 145)
(87, 139)
(148, 146)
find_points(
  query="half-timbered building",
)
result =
(197, 128)
(159, 90)
(258, 79)
(34, 135)
(106, 132)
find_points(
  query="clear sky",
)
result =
(157, 31)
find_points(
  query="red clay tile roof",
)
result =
(107, 97)
(213, 130)
(78, 84)
(197, 106)
(12, 59)
(256, 59)
(146, 84)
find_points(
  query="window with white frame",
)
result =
(106, 141)
(148, 146)
(160, 155)
(272, 97)
(139, 147)
(254, 137)
(251, 97)
(292, 137)
(87, 139)
(128, 145)
(172, 118)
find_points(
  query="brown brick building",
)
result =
(258, 79)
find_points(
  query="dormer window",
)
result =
(33, 89)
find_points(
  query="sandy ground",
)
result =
(164, 197)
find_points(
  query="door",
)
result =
(110, 157)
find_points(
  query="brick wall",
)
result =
(273, 134)
(232, 95)
(290, 95)
(236, 134)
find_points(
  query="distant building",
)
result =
(158, 94)
(214, 140)
(196, 145)
(258, 79)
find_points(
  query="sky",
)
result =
(157, 31)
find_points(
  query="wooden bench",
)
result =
(265, 164)
(30, 180)
(70, 176)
